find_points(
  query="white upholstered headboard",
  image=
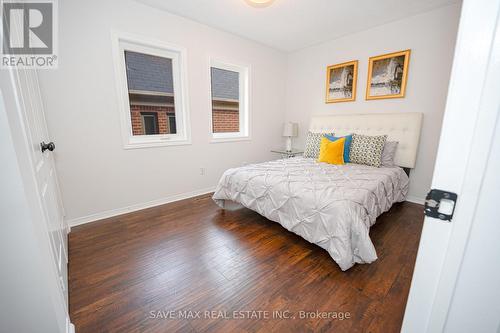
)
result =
(401, 127)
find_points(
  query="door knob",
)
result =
(47, 146)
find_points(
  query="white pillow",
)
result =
(388, 153)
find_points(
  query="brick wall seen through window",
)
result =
(151, 94)
(225, 100)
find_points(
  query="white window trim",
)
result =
(125, 41)
(244, 84)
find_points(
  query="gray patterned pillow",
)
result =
(313, 141)
(367, 149)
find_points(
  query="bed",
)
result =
(332, 206)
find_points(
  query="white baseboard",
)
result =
(416, 200)
(132, 208)
(70, 328)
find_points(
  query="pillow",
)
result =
(347, 145)
(388, 153)
(367, 149)
(332, 152)
(313, 141)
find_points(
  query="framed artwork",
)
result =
(341, 82)
(387, 75)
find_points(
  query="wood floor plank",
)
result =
(127, 272)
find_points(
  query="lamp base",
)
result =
(289, 144)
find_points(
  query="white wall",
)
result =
(431, 38)
(96, 174)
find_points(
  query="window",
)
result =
(229, 101)
(171, 123)
(149, 123)
(152, 89)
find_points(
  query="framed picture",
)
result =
(387, 75)
(341, 82)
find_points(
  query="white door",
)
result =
(33, 213)
(25, 82)
(28, 100)
(465, 149)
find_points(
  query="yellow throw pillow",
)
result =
(331, 152)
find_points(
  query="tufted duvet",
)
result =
(332, 206)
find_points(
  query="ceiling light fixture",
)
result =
(259, 3)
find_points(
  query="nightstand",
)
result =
(288, 154)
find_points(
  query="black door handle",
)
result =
(47, 146)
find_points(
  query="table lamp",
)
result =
(290, 130)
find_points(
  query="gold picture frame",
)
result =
(390, 71)
(341, 81)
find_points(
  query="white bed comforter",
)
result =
(329, 205)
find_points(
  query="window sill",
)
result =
(230, 139)
(155, 143)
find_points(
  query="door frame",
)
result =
(466, 138)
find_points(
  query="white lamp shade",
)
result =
(259, 3)
(291, 129)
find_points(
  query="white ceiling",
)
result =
(289, 25)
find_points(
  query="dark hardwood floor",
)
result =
(127, 272)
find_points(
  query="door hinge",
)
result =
(440, 204)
